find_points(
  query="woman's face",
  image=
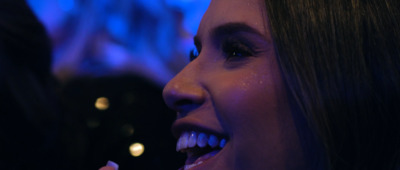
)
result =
(230, 99)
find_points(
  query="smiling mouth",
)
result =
(199, 147)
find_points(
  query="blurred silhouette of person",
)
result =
(30, 122)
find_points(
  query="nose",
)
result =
(184, 92)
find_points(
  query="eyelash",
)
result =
(231, 49)
(235, 49)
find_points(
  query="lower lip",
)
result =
(203, 160)
(200, 160)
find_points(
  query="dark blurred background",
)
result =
(111, 59)
(118, 118)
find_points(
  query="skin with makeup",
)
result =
(230, 98)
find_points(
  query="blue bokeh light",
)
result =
(66, 5)
(99, 37)
(117, 26)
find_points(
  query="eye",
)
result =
(193, 54)
(235, 49)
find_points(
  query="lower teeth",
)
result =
(201, 159)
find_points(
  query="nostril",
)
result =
(185, 105)
(183, 102)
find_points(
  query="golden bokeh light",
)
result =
(102, 103)
(127, 130)
(136, 149)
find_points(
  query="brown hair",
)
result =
(341, 60)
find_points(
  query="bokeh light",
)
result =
(137, 44)
(127, 130)
(102, 103)
(140, 37)
(136, 149)
(66, 5)
(92, 123)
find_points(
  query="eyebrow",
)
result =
(227, 29)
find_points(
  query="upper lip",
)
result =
(180, 126)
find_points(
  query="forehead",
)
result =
(250, 12)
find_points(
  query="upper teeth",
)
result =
(190, 140)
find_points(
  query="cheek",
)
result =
(243, 100)
(253, 109)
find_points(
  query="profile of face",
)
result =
(231, 102)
